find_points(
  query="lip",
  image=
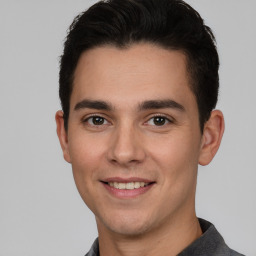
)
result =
(127, 193)
(126, 180)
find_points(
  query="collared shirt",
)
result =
(210, 243)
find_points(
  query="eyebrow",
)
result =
(159, 104)
(93, 104)
(145, 105)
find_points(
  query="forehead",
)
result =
(139, 72)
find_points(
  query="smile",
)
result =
(127, 188)
(128, 185)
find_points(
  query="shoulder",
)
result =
(94, 251)
(234, 253)
(210, 243)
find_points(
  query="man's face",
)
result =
(133, 137)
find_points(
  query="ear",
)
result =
(62, 134)
(212, 135)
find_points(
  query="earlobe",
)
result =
(62, 134)
(212, 135)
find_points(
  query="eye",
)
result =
(158, 121)
(96, 121)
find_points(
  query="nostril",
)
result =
(125, 148)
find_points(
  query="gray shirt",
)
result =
(210, 243)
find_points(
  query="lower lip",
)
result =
(127, 193)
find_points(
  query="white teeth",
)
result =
(136, 184)
(128, 185)
(115, 184)
(121, 185)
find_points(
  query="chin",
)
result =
(126, 225)
(129, 230)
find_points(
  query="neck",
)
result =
(170, 239)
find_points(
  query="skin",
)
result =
(128, 142)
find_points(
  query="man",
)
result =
(138, 87)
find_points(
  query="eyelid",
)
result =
(87, 117)
(169, 120)
(167, 117)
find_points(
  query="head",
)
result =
(138, 82)
(169, 24)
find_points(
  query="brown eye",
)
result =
(159, 120)
(96, 121)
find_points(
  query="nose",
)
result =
(126, 147)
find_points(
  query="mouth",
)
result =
(128, 185)
(127, 188)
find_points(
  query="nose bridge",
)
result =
(126, 146)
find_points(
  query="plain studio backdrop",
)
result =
(41, 212)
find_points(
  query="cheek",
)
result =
(176, 157)
(175, 150)
(84, 150)
(86, 156)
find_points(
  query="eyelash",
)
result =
(167, 120)
(86, 120)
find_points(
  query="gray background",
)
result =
(41, 212)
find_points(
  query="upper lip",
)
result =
(126, 180)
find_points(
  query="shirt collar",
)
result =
(210, 243)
